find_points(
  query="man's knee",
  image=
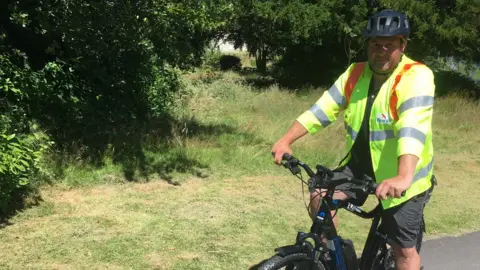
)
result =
(315, 198)
(318, 194)
(406, 253)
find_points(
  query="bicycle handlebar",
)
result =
(319, 181)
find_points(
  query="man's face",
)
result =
(384, 53)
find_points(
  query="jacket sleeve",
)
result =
(416, 93)
(326, 109)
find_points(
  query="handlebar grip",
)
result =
(286, 156)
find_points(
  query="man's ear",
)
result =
(403, 43)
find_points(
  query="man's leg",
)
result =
(402, 224)
(406, 258)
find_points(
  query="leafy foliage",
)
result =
(94, 76)
(268, 27)
(442, 28)
(315, 40)
(21, 143)
(99, 77)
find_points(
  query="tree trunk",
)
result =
(261, 64)
(261, 60)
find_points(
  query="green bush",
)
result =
(21, 141)
(305, 65)
(212, 59)
(448, 81)
(20, 158)
(95, 75)
(228, 62)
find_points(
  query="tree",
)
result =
(314, 40)
(442, 28)
(267, 28)
(93, 75)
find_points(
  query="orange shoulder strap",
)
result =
(353, 79)
(394, 97)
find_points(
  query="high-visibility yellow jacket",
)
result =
(400, 121)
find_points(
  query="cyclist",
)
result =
(387, 104)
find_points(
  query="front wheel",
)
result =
(294, 261)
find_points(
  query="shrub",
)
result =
(447, 82)
(228, 62)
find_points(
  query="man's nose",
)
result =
(381, 52)
(381, 48)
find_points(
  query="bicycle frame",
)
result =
(323, 225)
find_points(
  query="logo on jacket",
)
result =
(382, 118)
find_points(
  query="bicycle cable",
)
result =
(303, 193)
(318, 194)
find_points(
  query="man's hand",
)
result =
(282, 146)
(392, 187)
(279, 148)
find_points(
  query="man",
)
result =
(387, 104)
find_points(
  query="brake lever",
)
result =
(293, 169)
(367, 178)
(286, 164)
(325, 170)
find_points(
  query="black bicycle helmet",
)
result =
(387, 23)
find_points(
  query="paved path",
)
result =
(457, 253)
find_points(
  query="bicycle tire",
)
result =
(295, 261)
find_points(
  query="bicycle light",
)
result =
(311, 185)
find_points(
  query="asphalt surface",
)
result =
(458, 253)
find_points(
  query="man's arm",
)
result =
(319, 116)
(282, 146)
(406, 167)
(295, 132)
(415, 111)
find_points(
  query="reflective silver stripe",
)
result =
(416, 102)
(381, 135)
(423, 172)
(321, 116)
(350, 131)
(337, 95)
(412, 133)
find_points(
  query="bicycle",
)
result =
(308, 252)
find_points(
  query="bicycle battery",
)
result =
(349, 254)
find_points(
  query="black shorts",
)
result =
(401, 223)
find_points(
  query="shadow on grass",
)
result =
(156, 149)
(26, 199)
(179, 163)
(263, 81)
(257, 80)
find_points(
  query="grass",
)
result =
(234, 206)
